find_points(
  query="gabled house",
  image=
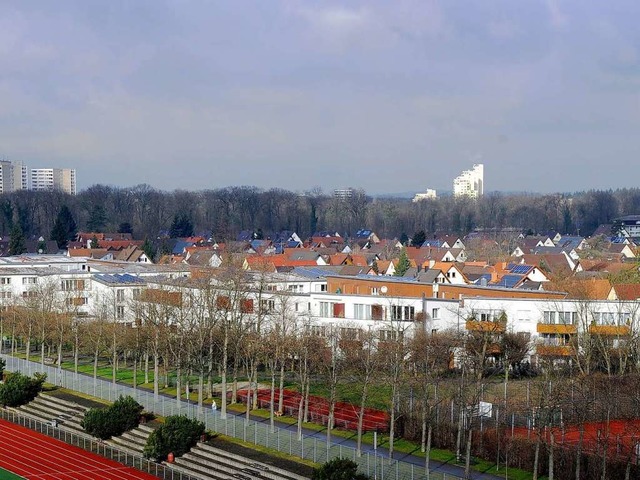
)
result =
(368, 235)
(622, 250)
(132, 254)
(451, 272)
(204, 258)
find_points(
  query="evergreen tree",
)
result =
(97, 219)
(125, 227)
(403, 263)
(181, 227)
(418, 238)
(17, 243)
(64, 228)
(148, 249)
(404, 239)
(94, 242)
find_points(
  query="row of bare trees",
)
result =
(214, 335)
(226, 211)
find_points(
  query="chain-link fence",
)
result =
(90, 444)
(309, 447)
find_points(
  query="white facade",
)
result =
(13, 177)
(429, 194)
(470, 183)
(47, 179)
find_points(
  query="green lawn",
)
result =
(7, 475)
(378, 398)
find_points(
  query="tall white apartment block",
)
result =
(470, 183)
(13, 177)
(46, 179)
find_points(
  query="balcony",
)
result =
(479, 326)
(556, 329)
(612, 330)
(555, 350)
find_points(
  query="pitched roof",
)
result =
(627, 291)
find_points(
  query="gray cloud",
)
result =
(388, 96)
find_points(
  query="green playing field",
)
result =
(6, 475)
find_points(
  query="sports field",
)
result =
(35, 456)
(7, 475)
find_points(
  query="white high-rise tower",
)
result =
(470, 183)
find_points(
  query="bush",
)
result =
(109, 422)
(177, 435)
(339, 469)
(19, 389)
(2, 365)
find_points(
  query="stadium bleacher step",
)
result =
(196, 458)
(182, 469)
(267, 471)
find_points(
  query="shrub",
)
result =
(2, 365)
(339, 469)
(19, 389)
(109, 422)
(177, 435)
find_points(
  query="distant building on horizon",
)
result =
(343, 193)
(470, 183)
(13, 177)
(47, 179)
(429, 194)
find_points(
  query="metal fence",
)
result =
(90, 444)
(309, 447)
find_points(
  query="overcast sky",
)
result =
(390, 96)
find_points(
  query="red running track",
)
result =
(38, 457)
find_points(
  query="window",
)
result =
(223, 302)
(338, 310)
(29, 280)
(390, 335)
(120, 312)
(120, 295)
(435, 313)
(324, 309)
(267, 305)
(5, 280)
(374, 291)
(5, 294)
(77, 301)
(396, 312)
(136, 293)
(68, 285)
(559, 318)
(246, 306)
(409, 313)
(376, 312)
(361, 312)
(319, 330)
(347, 333)
(323, 287)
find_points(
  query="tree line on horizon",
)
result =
(224, 212)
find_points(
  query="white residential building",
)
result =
(13, 177)
(470, 183)
(429, 194)
(47, 179)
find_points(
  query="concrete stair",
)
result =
(51, 409)
(246, 464)
(212, 463)
(133, 440)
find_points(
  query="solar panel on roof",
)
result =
(509, 281)
(520, 269)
